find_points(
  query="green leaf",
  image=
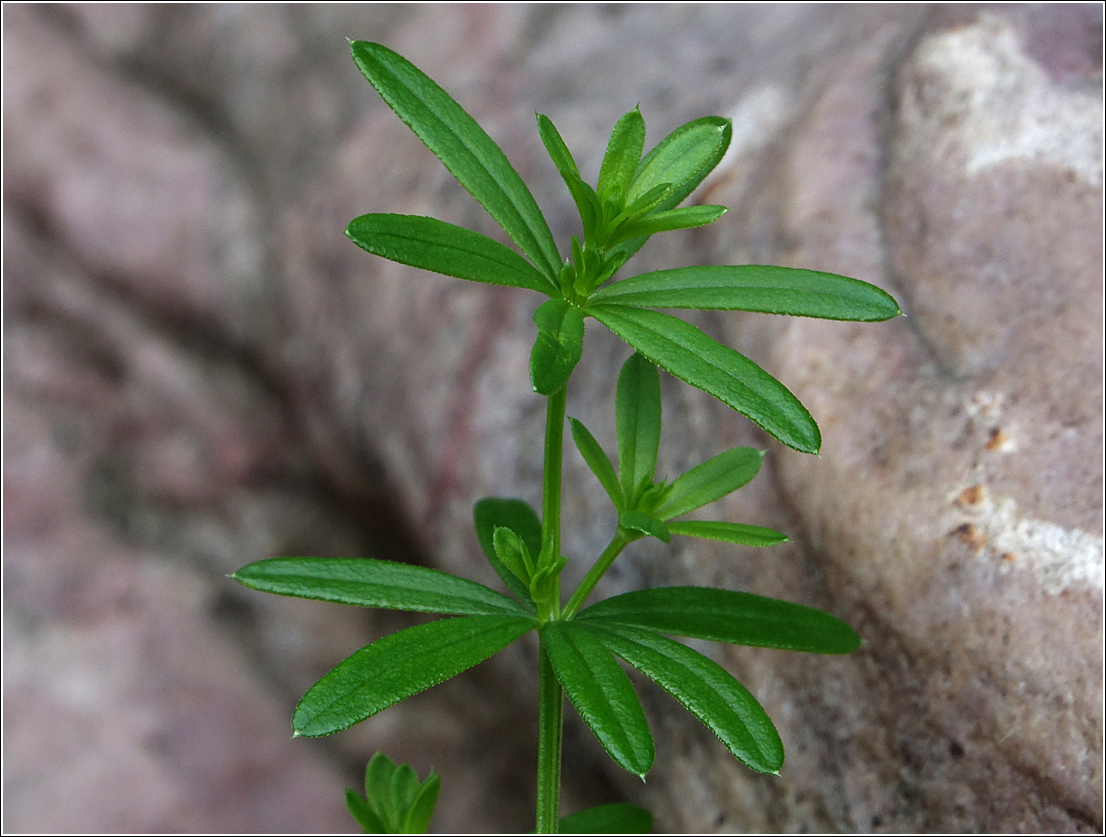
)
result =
(718, 476)
(706, 689)
(689, 354)
(555, 145)
(727, 616)
(683, 158)
(368, 582)
(614, 818)
(681, 218)
(545, 584)
(404, 787)
(463, 146)
(649, 201)
(763, 288)
(434, 245)
(638, 521)
(395, 801)
(598, 461)
(741, 534)
(638, 420)
(587, 202)
(513, 553)
(601, 693)
(622, 157)
(517, 516)
(368, 820)
(558, 347)
(421, 809)
(400, 665)
(379, 775)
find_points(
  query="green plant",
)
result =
(635, 197)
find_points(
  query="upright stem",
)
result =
(551, 697)
(551, 481)
(550, 717)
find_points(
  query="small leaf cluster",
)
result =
(634, 198)
(395, 801)
(646, 507)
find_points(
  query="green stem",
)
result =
(551, 697)
(550, 715)
(551, 481)
(621, 539)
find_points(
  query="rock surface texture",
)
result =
(201, 371)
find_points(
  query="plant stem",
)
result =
(601, 565)
(551, 480)
(551, 696)
(550, 716)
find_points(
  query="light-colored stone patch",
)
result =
(991, 103)
(1060, 558)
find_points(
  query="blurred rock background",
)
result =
(201, 371)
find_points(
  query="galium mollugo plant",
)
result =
(635, 197)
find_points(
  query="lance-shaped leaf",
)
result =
(383, 789)
(727, 616)
(638, 421)
(516, 515)
(421, 808)
(689, 354)
(647, 202)
(681, 218)
(369, 582)
(622, 157)
(366, 817)
(598, 461)
(558, 347)
(711, 480)
(463, 146)
(705, 689)
(587, 202)
(683, 158)
(613, 818)
(400, 665)
(445, 248)
(753, 287)
(741, 534)
(601, 693)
